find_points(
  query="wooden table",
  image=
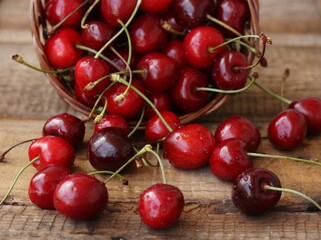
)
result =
(27, 100)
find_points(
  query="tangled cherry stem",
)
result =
(17, 177)
(264, 155)
(268, 187)
(121, 177)
(83, 20)
(2, 156)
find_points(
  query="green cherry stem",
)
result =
(226, 26)
(121, 177)
(3, 155)
(83, 20)
(17, 177)
(263, 155)
(159, 160)
(139, 122)
(304, 196)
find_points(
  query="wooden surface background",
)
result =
(27, 100)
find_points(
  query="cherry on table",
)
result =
(80, 197)
(160, 206)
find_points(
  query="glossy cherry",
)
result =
(66, 126)
(80, 197)
(109, 149)
(184, 94)
(197, 45)
(160, 206)
(249, 194)
(161, 100)
(229, 158)
(189, 146)
(175, 50)
(51, 150)
(112, 120)
(287, 130)
(147, 34)
(225, 74)
(155, 129)
(43, 185)
(161, 71)
(60, 48)
(156, 7)
(58, 10)
(241, 128)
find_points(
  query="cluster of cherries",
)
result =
(154, 60)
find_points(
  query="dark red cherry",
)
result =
(197, 45)
(109, 149)
(229, 158)
(234, 13)
(60, 48)
(58, 10)
(175, 50)
(225, 74)
(169, 19)
(155, 129)
(160, 206)
(249, 194)
(67, 127)
(131, 106)
(161, 100)
(287, 130)
(184, 94)
(124, 53)
(51, 150)
(161, 71)
(89, 69)
(96, 34)
(113, 10)
(43, 185)
(240, 128)
(310, 107)
(147, 35)
(113, 120)
(80, 197)
(156, 7)
(192, 13)
(189, 146)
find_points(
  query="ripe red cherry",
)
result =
(192, 13)
(57, 10)
(147, 35)
(229, 158)
(43, 185)
(161, 71)
(114, 10)
(234, 13)
(109, 149)
(287, 130)
(156, 7)
(96, 34)
(131, 106)
(80, 197)
(197, 45)
(161, 100)
(225, 74)
(249, 194)
(189, 146)
(51, 150)
(161, 205)
(67, 127)
(240, 128)
(155, 129)
(60, 48)
(310, 107)
(113, 120)
(184, 94)
(175, 50)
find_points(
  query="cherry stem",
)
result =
(121, 177)
(159, 160)
(83, 20)
(17, 177)
(102, 113)
(228, 27)
(263, 155)
(2, 156)
(268, 187)
(121, 30)
(19, 59)
(264, 89)
(253, 79)
(165, 25)
(140, 120)
(117, 78)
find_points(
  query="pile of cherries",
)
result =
(133, 60)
